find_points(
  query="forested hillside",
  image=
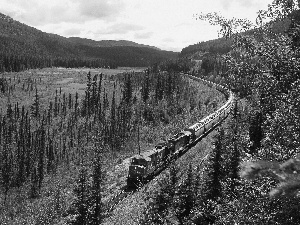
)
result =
(209, 51)
(23, 47)
(252, 173)
(108, 43)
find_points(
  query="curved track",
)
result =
(124, 192)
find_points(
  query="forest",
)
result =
(64, 151)
(54, 142)
(24, 47)
(252, 173)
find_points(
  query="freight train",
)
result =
(147, 164)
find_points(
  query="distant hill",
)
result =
(22, 47)
(222, 45)
(108, 43)
(216, 46)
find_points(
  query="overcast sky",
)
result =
(167, 24)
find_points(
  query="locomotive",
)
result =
(147, 164)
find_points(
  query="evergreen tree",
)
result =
(145, 91)
(96, 207)
(34, 190)
(6, 168)
(113, 131)
(128, 89)
(255, 130)
(212, 185)
(235, 152)
(81, 203)
(41, 147)
(76, 105)
(35, 107)
(186, 198)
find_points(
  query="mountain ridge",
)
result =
(108, 43)
(24, 47)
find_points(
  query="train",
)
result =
(147, 164)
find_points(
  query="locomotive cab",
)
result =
(137, 170)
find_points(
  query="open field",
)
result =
(50, 80)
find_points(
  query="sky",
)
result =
(166, 24)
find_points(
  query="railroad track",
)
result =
(124, 192)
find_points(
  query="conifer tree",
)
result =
(34, 184)
(6, 168)
(186, 197)
(49, 115)
(212, 185)
(113, 119)
(81, 203)
(70, 102)
(128, 89)
(96, 206)
(255, 130)
(56, 105)
(145, 91)
(41, 147)
(35, 107)
(76, 105)
(234, 159)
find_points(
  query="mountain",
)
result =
(108, 43)
(223, 45)
(23, 47)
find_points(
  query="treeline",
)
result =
(16, 62)
(23, 47)
(129, 56)
(217, 46)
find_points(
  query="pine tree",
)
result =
(6, 168)
(35, 107)
(96, 207)
(233, 143)
(255, 130)
(212, 185)
(185, 198)
(34, 184)
(128, 89)
(56, 105)
(145, 91)
(113, 130)
(81, 203)
(41, 147)
(70, 102)
(76, 105)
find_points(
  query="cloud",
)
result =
(37, 13)
(72, 32)
(100, 9)
(119, 28)
(168, 40)
(227, 4)
(143, 35)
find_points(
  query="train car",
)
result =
(165, 148)
(180, 140)
(197, 130)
